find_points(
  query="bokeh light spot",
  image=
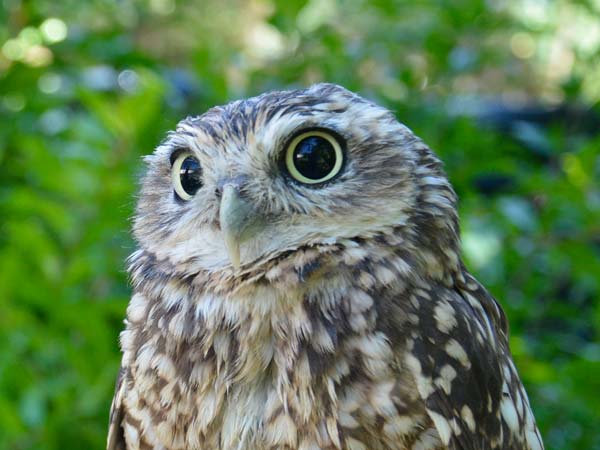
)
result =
(14, 49)
(38, 56)
(54, 30)
(522, 45)
(54, 121)
(162, 7)
(30, 36)
(128, 80)
(13, 102)
(480, 246)
(49, 83)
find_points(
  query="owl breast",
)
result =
(268, 368)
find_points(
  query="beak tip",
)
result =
(235, 263)
(233, 251)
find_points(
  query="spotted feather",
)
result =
(270, 312)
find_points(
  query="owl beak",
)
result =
(238, 221)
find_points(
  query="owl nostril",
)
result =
(237, 182)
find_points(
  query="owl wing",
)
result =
(464, 372)
(116, 439)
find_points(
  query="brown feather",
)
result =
(351, 322)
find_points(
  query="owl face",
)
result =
(260, 178)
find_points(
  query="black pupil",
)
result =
(190, 175)
(314, 157)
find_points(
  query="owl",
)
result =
(298, 285)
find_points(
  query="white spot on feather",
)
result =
(442, 426)
(381, 398)
(428, 440)
(282, 431)
(399, 425)
(424, 384)
(384, 275)
(354, 255)
(509, 413)
(332, 430)
(447, 375)
(347, 421)
(353, 444)
(467, 416)
(360, 301)
(533, 440)
(131, 434)
(136, 310)
(456, 351)
(445, 317)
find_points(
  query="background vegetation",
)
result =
(507, 92)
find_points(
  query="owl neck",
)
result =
(309, 298)
(425, 247)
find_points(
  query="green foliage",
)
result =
(87, 88)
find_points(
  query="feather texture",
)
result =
(351, 322)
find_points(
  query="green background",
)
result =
(88, 87)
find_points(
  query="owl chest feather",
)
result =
(266, 369)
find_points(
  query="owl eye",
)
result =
(186, 175)
(314, 157)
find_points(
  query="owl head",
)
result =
(262, 178)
